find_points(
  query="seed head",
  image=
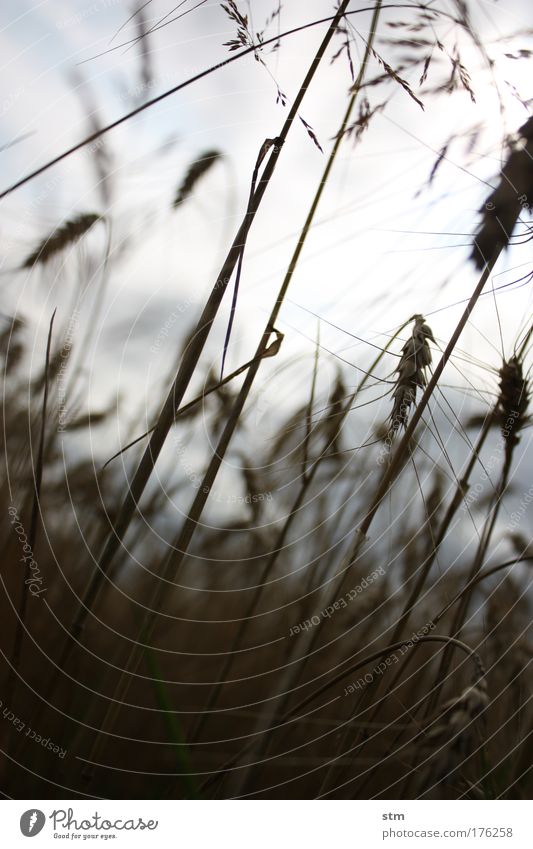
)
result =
(63, 236)
(513, 400)
(416, 357)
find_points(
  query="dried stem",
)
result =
(34, 526)
(181, 382)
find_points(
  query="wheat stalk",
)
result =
(511, 409)
(241, 400)
(283, 718)
(512, 401)
(180, 385)
(195, 172)
(415, 358)
(34, 524)
(449, 738)
(513, 194)
(61, 238)
(173, 90)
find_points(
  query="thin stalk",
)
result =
(425, 568)
(34, 526)
(476, 579)
(233, 58)
(217, 458)
(181, 544)
(182, 380)
(393, 748)
(397, 460)
(271, 351)
(277, 548)
(513, 401)
(475, 570)
(190, 359)
(285, 717)
(174, 730)
(291, 678)
(310, 405)
(460, 492)
(98, 303)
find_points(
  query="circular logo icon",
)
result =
(32, 822)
